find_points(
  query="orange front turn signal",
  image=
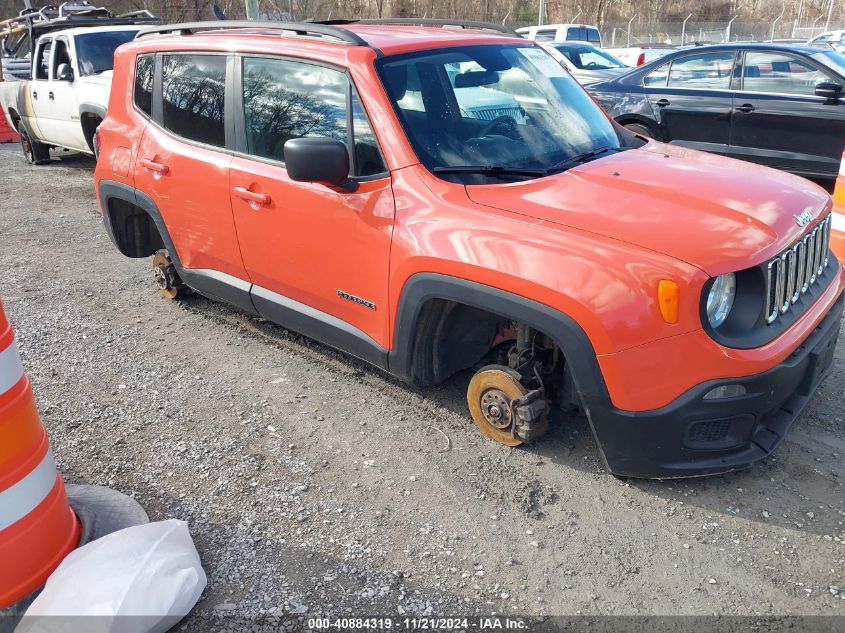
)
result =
(667, 297)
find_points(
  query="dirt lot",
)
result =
(315, 485)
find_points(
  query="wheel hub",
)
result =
(494, 405)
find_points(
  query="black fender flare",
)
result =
(205, 282)
(564, 330)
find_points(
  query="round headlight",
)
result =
(721, 299)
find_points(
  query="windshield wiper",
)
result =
(576, 160)
(489, 170)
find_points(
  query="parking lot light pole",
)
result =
(541, 13)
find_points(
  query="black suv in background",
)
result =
(774, 104)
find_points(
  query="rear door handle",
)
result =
(254, 199)
(154, 167)
(745, 107)
(34, 94)
(663, 103)
(51, 95)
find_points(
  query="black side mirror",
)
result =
(317, 159)
(829, 90)
(64, 73)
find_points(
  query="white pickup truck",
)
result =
(65, 100)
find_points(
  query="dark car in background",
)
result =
(773, 104)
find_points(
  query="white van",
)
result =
(562, 33)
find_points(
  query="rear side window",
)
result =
(545, 35)
(42, 62)
(144, 72)
(194, 94)
(709, 71)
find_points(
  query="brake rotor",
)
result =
(489, 396)
(165, 275)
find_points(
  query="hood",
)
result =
(715, 213)
(100, 79)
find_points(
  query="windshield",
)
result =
(590, 57)
(95, 51)
(508, 107)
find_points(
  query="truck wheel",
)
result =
(166, 277)
(34, 152)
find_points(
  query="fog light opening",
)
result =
(725, 391)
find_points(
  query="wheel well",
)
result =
(16, 119)
(627, 120)
(90, 122)
(451, 336)
(135, 232)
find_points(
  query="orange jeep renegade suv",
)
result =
(430, 198)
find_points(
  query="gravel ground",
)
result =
(313, 484)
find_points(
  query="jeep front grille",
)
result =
(791, 274)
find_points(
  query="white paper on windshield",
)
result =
(543, 61)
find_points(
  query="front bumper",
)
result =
(692, 436)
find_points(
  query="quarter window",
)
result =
(368, 158)
(780, 74)
(194, 91)
(708, 71)
(144, 73)
(657, 77)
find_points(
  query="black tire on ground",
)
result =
(640, 129)
(34, 152)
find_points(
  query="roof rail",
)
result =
(300, 28)
(464, 24)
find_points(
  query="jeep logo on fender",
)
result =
(803, 219)
(358, 300)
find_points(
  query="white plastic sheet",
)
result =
(143, 579)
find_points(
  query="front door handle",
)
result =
(154, 167)
(51, 95)
(254, 199)
(663, 103)
(34, 94)
(745, 107)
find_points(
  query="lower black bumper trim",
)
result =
(732, 433)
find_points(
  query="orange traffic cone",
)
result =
(837, 232)
(37, 527)
(40, 522)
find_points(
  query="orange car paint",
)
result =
(593, 242)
